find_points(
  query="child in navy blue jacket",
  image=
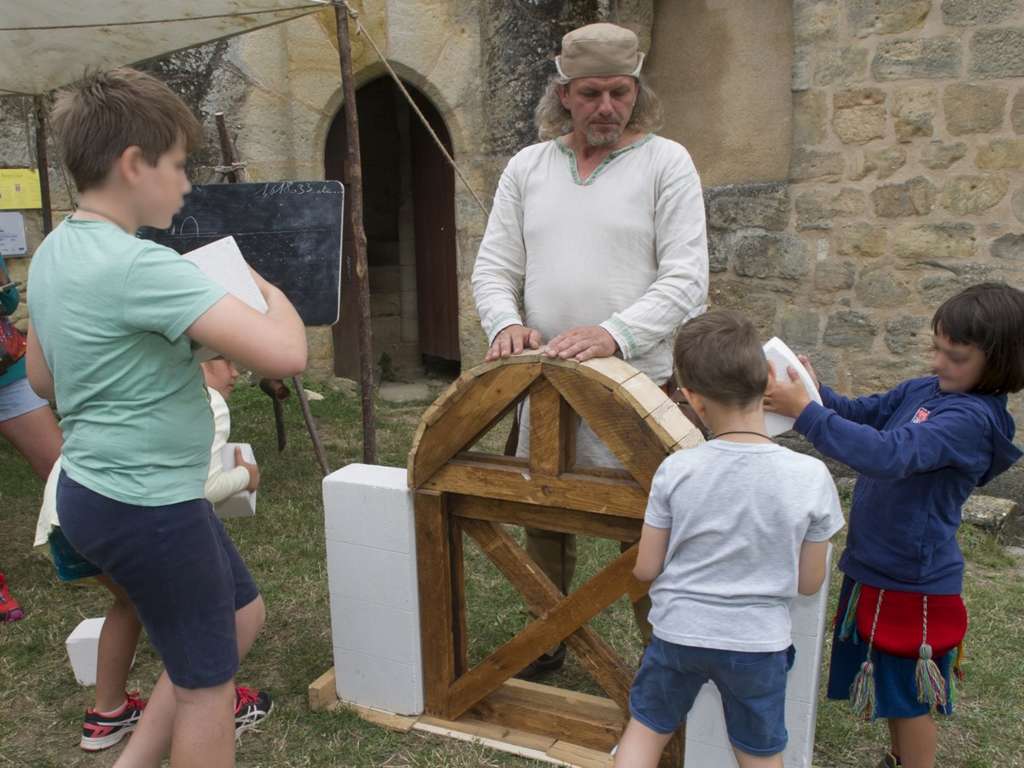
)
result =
(920, 450)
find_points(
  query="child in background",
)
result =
(220, 376)
(734, 529)
(920, 449)
(116, 712)
(113, 321)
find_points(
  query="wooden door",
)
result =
(437, 292)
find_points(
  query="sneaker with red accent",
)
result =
(251, 708)
(105, 729)
(10, 610)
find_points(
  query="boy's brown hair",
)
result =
(100, 117)
(718, 355)
(989, 316)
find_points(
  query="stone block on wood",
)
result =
(371, 573)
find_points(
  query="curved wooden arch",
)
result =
(460, 491)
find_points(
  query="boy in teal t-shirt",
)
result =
(113, 321)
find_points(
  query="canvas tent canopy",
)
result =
(46, 45)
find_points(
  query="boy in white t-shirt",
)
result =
(734, 529)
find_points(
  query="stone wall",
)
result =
(906, 183)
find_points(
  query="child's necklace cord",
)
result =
(742, 432)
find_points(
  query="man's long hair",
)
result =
(554, 120)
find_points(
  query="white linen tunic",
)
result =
(626, 249)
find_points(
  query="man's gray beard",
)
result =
(597, 138)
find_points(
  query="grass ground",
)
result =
(41, 708)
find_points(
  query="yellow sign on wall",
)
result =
(19, 189)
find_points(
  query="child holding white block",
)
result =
(733, 530)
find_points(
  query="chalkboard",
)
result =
(288, 231)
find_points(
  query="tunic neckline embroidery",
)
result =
(573, 168)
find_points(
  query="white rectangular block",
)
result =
(354, 511)
(374, 682)
(243, 503)
(390, 633)
(82, 645)
(707, 741)
(371, 573)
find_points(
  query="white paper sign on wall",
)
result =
(12, 234)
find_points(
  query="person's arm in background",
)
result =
(36, 369)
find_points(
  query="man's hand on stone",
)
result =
(582, 343)
(512, 340)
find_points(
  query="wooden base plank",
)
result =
(579, 756)
(323, 692)
(389, 720)
(593, 722)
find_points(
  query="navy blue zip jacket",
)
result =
(920, 453)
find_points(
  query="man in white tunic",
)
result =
(596, 243)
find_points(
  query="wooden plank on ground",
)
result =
(582, 757)
(541, 597)
(433, 559)
(629, 438)
(552, 430)
(472, 413)
(546, 518)
(323, 692)
(590, 721)
(493, 732)
(513, 482)
(389, 720)
(542, 633)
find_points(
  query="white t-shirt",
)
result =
(738, 514)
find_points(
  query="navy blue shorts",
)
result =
(180, 570)
(752, 685)
(895, 686)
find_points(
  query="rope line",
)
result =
(354, 15)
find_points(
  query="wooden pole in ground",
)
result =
(227, 150)
(354, 193)
(43, 163)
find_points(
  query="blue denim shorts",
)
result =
(17, 399)
(180, 570)
(752, 685)
(895, 684)
(70, 565)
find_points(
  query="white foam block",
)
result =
(371, 575)
(243, 503)
(222, 262)
(782, 358)
(83, 645)
(707, 742)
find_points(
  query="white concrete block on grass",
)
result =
(371, 572)
(707, 742)
(83, 645)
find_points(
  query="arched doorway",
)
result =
(409, 216)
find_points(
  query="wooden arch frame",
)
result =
(458, 491)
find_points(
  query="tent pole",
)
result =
(43, 164)
(354, 193)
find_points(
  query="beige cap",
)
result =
(599, 50)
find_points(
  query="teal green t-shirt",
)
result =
(110, 311)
